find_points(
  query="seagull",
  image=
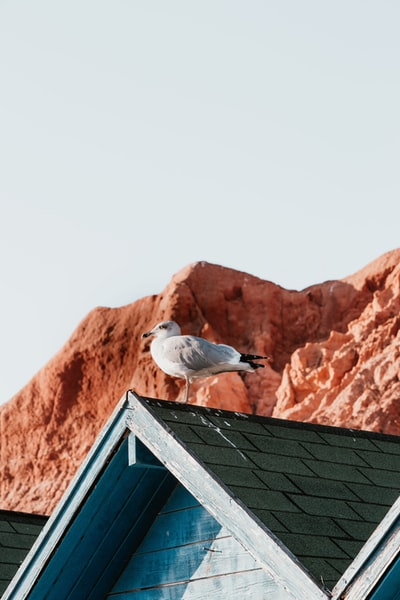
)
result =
(190, 357)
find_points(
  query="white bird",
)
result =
(189, 357)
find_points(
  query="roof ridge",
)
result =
(274, 421)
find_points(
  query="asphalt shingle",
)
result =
(18, 532)
(321, 490)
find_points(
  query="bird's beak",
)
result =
(147, 334)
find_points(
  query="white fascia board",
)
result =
(281, 565)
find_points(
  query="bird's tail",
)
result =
(249, 358)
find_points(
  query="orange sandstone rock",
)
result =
(334, 359)
(352, 379)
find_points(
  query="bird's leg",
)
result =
(187, 390)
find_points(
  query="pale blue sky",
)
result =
(137, 137)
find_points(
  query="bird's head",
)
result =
(163, 330)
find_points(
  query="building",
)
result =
(178, 501)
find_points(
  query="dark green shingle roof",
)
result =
(321, 490)
(18, 532)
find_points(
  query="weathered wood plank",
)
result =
(194, 561)
(251, 585)
(180, 528)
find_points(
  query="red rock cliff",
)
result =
(334, 351)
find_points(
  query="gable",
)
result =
(286, 570)
(187, 553)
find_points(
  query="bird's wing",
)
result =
(197, 353)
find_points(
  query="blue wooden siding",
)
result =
(187, 554)
(250, 586)
(112, 522)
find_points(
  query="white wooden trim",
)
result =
(140, 456)
(379, 551)
(282, 566)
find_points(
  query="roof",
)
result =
(302, 499)
(321, 490)
(18, 532)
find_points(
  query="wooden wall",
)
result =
(187, 554)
